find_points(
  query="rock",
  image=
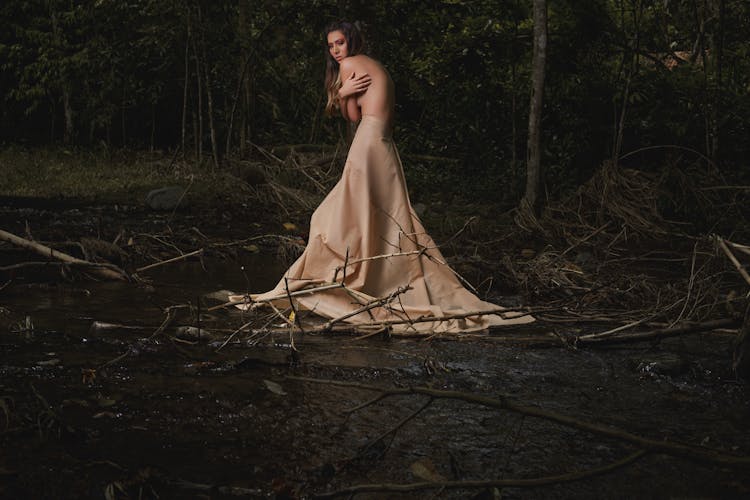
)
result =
(219, 296)
(49, 362)
(660, 364)
(166, 198)
(192, 333)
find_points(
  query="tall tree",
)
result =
(532, 198)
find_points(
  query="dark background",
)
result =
(207, 79)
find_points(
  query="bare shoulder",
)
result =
(353, 63)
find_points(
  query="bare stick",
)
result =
(697, 453)
(742, 248)
(392, 431)
(691, 282)
(515, 483)
(254, 238)
(571, 247)
(102, 270)
(608, 333)
(306, 291)
(297, 321)
(373, 304)
(171, 315)
(661, 333)
(162, 241)
(238, 330)
(375, 257)
(733, 259)
(169, 261)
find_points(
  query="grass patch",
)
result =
(121, 177)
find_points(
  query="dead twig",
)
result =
(305, 291)
(374, 257)
(169, 261)
(297, 320)
(609, 333)
(383, 301)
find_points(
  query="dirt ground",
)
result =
(93, 405)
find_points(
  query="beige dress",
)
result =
(367, 215)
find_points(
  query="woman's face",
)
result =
(337, 46)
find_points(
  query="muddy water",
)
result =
(95, 410)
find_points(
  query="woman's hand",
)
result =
(354, 85)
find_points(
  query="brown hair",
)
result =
(355, 43)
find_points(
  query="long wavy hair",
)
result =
(355, 44)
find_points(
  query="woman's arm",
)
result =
(354, 82)
(350, 110)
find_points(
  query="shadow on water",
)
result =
(91, 412)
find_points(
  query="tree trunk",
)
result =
(65, 88)
(242, 96)
(68, 109)
(714, 56)
(235, 102)
(637, 8)
(199, 81)
(532, 197)
(185, 85)
(209, 93)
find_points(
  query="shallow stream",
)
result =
(93, 405)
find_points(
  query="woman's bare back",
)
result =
(379, 98)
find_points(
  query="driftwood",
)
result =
(107, 271)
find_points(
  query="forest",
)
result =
(584, 162)
(208, 79)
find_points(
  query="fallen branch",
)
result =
(107, 271)
(496, 483)
(691, 452)
(659, 333)
(392, 431)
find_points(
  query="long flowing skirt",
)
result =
(366, 233)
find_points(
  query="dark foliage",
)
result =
(163, 74)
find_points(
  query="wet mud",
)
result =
(93, 405)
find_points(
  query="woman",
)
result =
(365, 233)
